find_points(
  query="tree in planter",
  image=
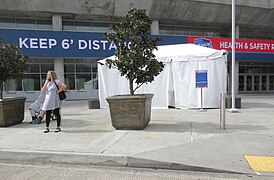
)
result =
(134, 54)
(12, 64)
(135, 60)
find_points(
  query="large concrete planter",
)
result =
(130, 112)
(12, 111)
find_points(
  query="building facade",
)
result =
(67, 36)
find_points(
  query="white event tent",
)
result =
(176, 84)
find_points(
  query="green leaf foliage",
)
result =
(12, 64)
(134, 54)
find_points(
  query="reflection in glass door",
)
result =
(271, 82)
(256, 83)
(264, 83)
(248, 83)
(241, 82)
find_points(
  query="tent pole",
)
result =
(233, 109)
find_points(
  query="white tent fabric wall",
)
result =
(186, 93)
(175, 86)
(111, 83)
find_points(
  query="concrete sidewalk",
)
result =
(174, 139)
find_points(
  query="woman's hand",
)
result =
(49, 77)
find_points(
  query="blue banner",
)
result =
(68, 44)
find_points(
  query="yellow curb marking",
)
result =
(261, 163)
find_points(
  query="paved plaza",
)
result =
(174, 139)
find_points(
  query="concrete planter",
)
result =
(130, 112)
(12, 111)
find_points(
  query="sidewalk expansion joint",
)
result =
(117, 138)
(191, 133)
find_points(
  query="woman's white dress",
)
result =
(52, 100)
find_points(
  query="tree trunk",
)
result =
(1, 90)
(131, 86)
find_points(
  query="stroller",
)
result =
(35, 110)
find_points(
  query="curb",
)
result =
(145, 163)
(63, 157)
(97, 159)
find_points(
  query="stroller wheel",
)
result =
(39, 119)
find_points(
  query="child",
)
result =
(35, 108)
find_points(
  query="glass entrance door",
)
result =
(256, 83)
(256, 77)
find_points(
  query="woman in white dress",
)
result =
(52, 101)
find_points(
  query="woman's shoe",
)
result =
(57, 129)
(47, 130)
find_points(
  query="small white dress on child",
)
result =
(37, 104)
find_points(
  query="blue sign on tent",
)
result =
(201, 78)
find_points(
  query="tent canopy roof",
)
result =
(183, 52)
(186, 52)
